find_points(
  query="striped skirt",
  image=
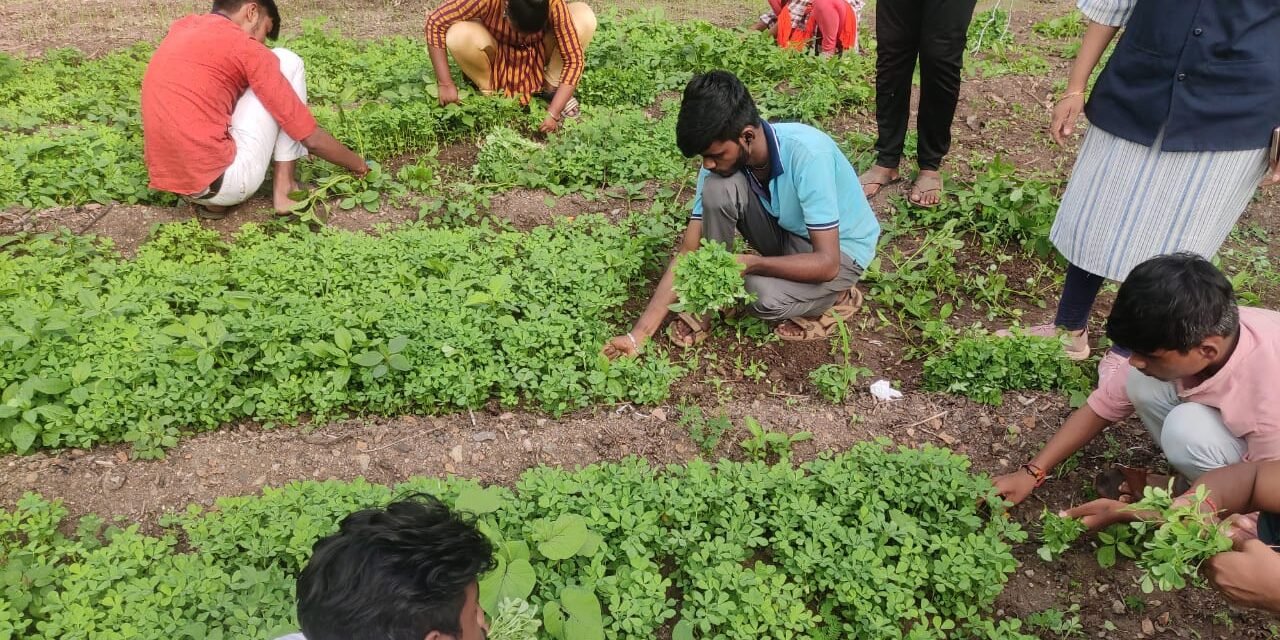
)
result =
(1126, 202)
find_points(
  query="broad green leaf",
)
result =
(397, 344)
(81, 372)
(368, 359)
(342, 338)
(553, 620)
(1106, 556)
(51, 387)
(479, 500)
(515, 580)
(682, 631)
(23, 436)
(563, 538)
(399, 362)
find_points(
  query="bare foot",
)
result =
(876, 179)
(927, 191)
(280, 195)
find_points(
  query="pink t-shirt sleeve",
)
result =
(276, 94)
(1111, 400)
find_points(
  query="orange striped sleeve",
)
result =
(449, 13)
(575, 61)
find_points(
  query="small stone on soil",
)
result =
(484, 436)
(455, 454)
(1117, 607)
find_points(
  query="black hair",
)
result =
(392, 574)
(1173, 302)
(716, 107)
(529, 16)
(232, 6)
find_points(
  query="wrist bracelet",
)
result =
(1035, 472)
(635, 345)
(1070, 95)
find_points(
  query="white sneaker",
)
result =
(1111, 364)
(1077, 347)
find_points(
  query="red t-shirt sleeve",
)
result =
(262, 68)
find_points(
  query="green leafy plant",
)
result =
(835, 381)
(705, 432)
(762, 441)
(708, 280)
(826, 549)
(1170, 543)
(984, 367)
(1057, 533)
(1063, 624)
(196, 332)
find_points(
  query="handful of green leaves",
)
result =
(1057, 533)
(709, 279)
(1170, 546)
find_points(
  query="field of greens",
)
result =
(455, 310)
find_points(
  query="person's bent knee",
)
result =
(721, 195)
(465, 37)
(768, 305)
(1145, 391)
(1194, 440)
(584, 18)
(290, 62)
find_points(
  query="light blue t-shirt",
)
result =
(813, 186)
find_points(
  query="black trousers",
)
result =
(934, 31)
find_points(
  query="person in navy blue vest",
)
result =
(1181, 117)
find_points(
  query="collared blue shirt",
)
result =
(811, 186)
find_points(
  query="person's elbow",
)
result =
(316, 139)
(829, 269)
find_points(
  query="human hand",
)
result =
(1015, 487)
(1102, 513)
(447, 94)
(623, 345)
(1249, 575)
(550, 125)
(1065, 115)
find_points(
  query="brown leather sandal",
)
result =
(699, 330)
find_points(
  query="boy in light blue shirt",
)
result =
(797, 202)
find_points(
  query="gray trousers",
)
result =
(1192, 435)
(729, 206)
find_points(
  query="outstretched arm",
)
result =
(1081, 426)
(663, 297)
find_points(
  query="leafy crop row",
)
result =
(195, 332)
(619, 551)
(983, 367)
(72, 131)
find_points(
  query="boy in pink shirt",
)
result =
(1203, 380)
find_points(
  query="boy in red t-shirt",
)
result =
(218, 106)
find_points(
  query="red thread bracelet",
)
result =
(1035, 472)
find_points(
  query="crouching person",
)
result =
(794, 197)
(408, 571)
(1202, 380)
(219, 108)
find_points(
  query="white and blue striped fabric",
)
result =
(1113, 13)
(1126, 202)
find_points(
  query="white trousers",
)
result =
(259, 139)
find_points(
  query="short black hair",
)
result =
(232, 6)
(716, 107)
(392, 574)
(529, 16)
(1173, 302)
